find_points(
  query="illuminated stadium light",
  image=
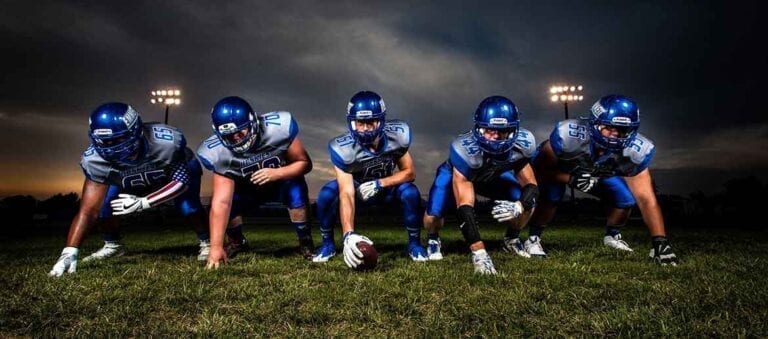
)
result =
(167, 97)
(564, 94)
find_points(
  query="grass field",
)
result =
(583, 289)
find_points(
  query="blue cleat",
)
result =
(416, 252)
(324, 253)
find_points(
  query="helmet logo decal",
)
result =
(363, 114)
(228, 128)
(383, 107)
(130, 117)
(102, 132)
(621, 120)
(498, 121)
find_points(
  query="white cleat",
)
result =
(205, 249)
(483, 263)
(434, 249)
(514, 245)
(534, 248)
(110, 249)
(616, 242)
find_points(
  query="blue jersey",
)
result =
(570, 140)
(477, 166)
(277, 132)
(364, 165)
(164, 150)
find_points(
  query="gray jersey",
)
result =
(477, 166)
(277, 132)
(570, 140)
(165, 146)
(356, 159)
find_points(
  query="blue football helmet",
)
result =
(499, 113)
(615, 111)
(235, 124)
(116, 132)
(366, 106)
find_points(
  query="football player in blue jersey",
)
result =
(129, 167)
(364, 160)
(605, 156)
(254, 159)
(492, 160)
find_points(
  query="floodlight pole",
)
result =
(166, 113)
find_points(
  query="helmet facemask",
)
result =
(238, 138)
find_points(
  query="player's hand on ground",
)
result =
(264, 176)
(504, 210)
(661, 253)
(369, 189)
(67, 262)
(128, 203)
(216, 257)
(352, 255)
(583, 181)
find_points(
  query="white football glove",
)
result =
(369, 189)
(128, 203)
(67, 262)
(583, 181)
(506, 210)
(352, 255)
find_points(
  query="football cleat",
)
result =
(483, 263)
(534, 248)
(234, 247)
(417, 252)
(110, 249)
(306, 248)
(514, 245)
(616, 242)
(324, 253)
(205, 249)
(433, 249)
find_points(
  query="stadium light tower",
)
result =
(167, 97)
(565, 94)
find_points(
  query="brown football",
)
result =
(370, 256)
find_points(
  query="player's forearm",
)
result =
(218, 223)
(464, 193)
(347, 211)
(79, 227)
(168, 192)
(652, 216)
(398, 178)
(294, 170)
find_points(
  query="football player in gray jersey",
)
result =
(490, 160)
(131, 167)
(602, 155)
(254, 159)
(364, 160)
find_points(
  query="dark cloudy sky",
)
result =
(693, 67)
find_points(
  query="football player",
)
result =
(130, 167)
(364, 160)
(605, 156)
(254, 159)
(492, 160)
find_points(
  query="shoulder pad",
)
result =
(525, 142)
(398, 132)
